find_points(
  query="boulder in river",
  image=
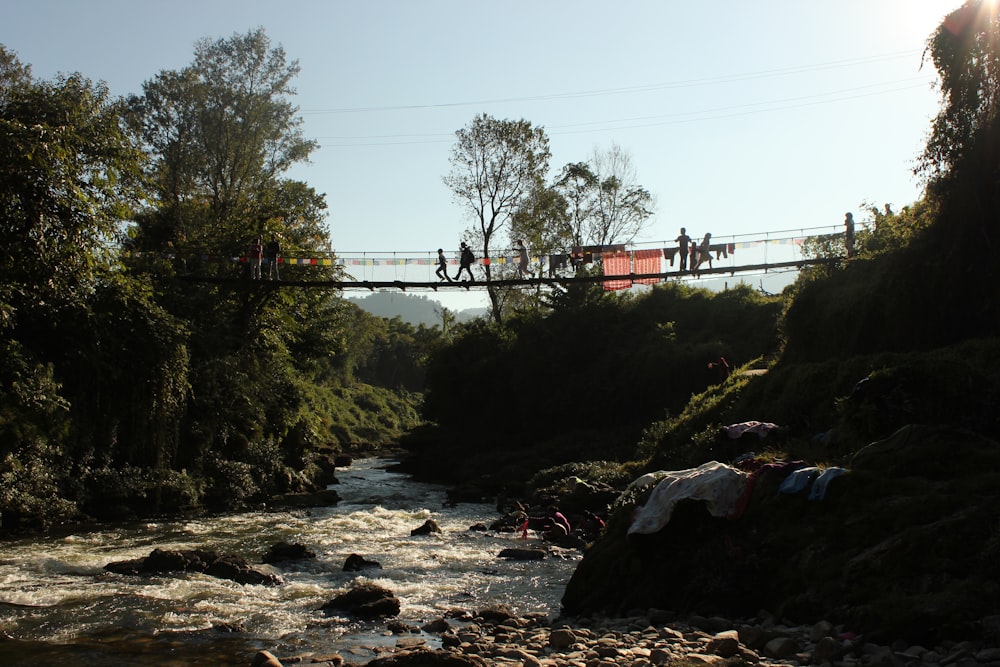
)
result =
(356, 563)
(237, 569)
(429, 526)
(365, 601)
(167, 561)
(265, 659)
(514, 553)
(283, 551)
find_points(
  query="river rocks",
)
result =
(428, 658)
(428, 527)
(356, 563)
(265, 659)
(515, 553)
(437, 626)
(781, 647)
(164, 561)
(562, 639)
(366, 601)
(496, 613)
(535, 640)
(725, 644)
(283, 551)
(237, 569)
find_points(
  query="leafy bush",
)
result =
(130, 492)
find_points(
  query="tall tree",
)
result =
(622, 206)
(495, 166)
(605, 203)
(222, 132)
(965, 49)
(962, 158)
(578, 186)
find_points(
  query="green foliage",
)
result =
(885, 232)
(70, 174)
(392, 353)
(612, 473)
(128, 492)
(221, 132)
(965, 53)
(34, 423)
(126, 392)
(825, 412)
(581, 382)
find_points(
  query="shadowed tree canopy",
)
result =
(221, 133)
(962, 156)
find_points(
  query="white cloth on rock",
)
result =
(760, 429)
(719, 485)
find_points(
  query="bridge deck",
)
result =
(508, 282)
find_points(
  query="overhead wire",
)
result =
(715, 113)
(684, 83)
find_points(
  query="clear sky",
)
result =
(740, 117)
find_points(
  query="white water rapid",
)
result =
(58, 605)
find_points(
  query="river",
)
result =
(58, 606)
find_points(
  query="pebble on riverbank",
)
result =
(533, 640)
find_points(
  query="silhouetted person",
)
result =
(522, 261)
(442, 269)
(721, 367)
(465, 260)
(704, 254)
(272, 251)
(254, 255)
(682, 244)
(849, 234)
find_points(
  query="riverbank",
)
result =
(654, 638)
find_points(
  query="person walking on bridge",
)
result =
(849, 233)
(254, 255)
(465, 261)
(704, 253)
(272, 251)
(682, 248)
(442, 269)
(522, 263)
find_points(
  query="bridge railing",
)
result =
(780, 249)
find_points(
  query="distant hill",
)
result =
(410, 308)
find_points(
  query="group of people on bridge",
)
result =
(691, 253)
(257, 253)
(688, 250)
(467, 258)
(698, 253)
